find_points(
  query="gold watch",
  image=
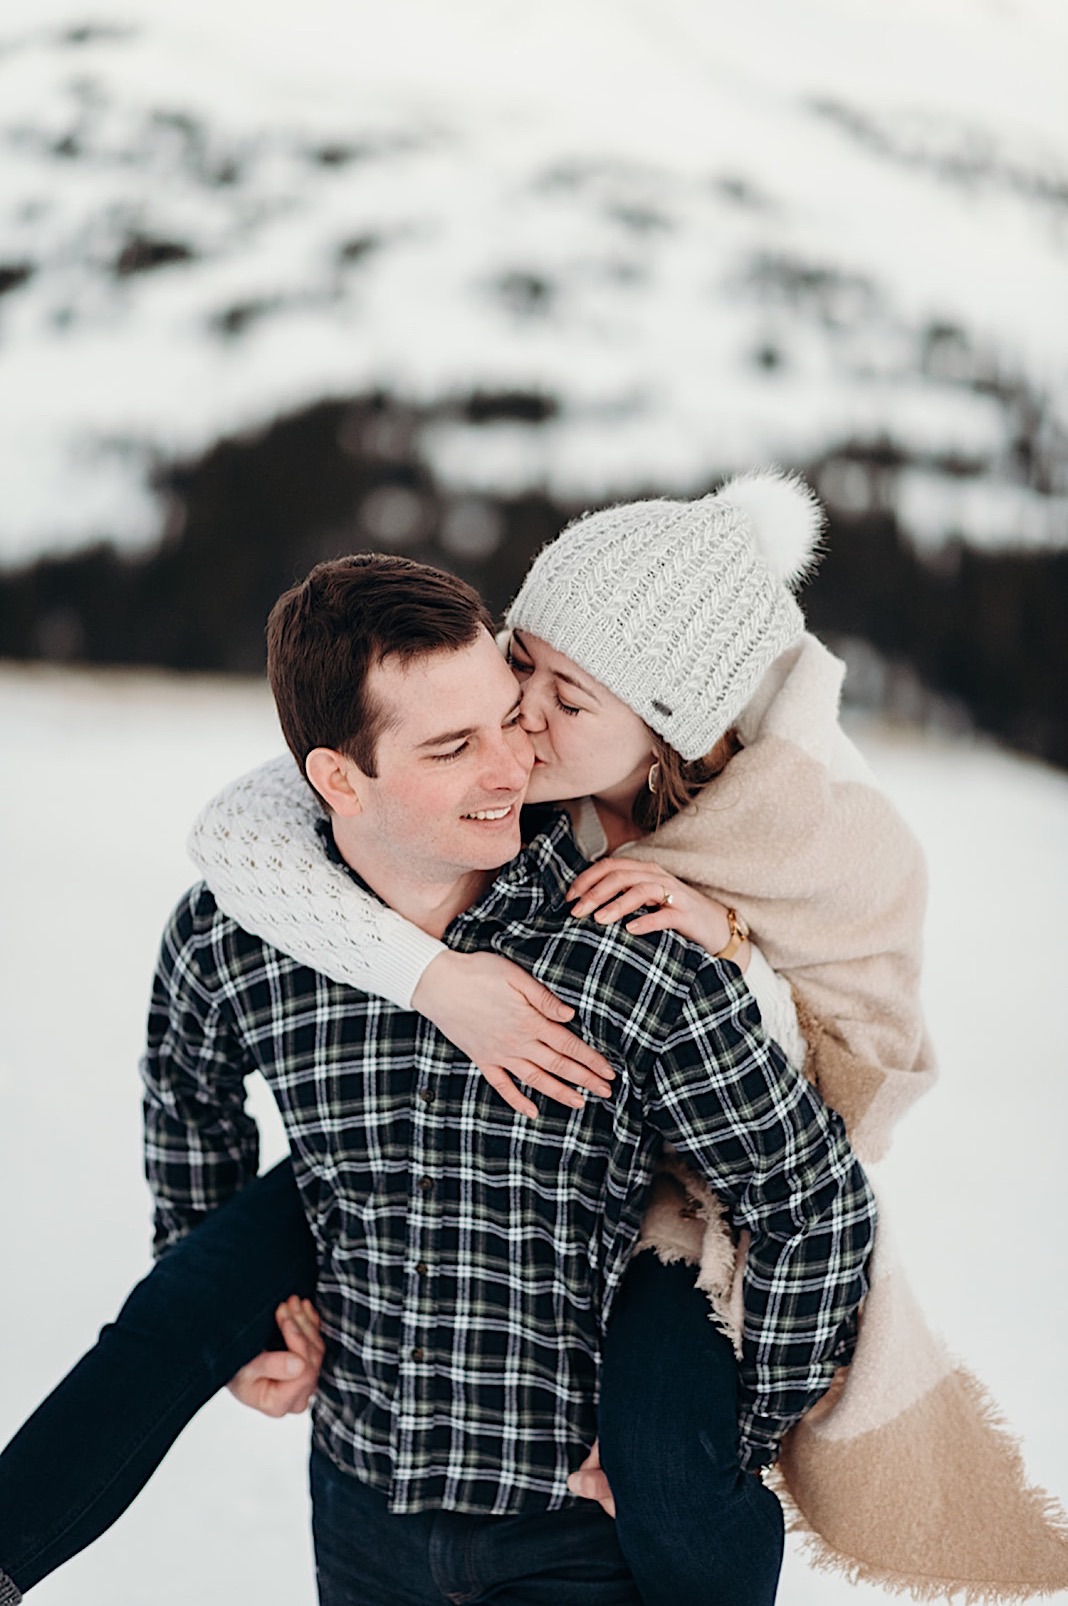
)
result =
(739, 934)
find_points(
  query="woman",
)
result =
(722, 649)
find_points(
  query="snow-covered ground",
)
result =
(715, 234)
(100, 776)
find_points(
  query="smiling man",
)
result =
(467, 1261)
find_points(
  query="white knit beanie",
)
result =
(679, 608)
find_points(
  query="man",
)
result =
(468, 1261)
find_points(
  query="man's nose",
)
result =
(513, 762)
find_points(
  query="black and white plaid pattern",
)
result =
(468, 1258)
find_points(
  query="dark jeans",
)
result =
(691, 1525)
(365, 1556)
(205, 1309)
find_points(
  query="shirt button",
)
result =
(422, 1268)
(426, 1184)
(417, 1354)
(427, 1095)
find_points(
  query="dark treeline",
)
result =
(984, 629)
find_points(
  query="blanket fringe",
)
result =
(822, 1556)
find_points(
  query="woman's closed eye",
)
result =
(521, 667)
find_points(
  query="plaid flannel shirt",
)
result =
(468, 1258)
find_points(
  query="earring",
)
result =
(652, 780)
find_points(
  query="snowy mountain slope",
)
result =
(711, 235)
(102, 774)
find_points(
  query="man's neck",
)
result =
(428, 903)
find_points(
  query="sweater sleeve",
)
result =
(256, 846)
(774, 998)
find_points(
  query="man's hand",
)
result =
(281, 1382)
(509, 1025)
(590, 1483)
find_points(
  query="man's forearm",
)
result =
(190, 1171)
(779, 1158)
(801, 1300)
(201, 1145)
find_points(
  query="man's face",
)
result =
(453, 764)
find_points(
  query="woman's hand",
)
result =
(614, 888)
(510, 1026)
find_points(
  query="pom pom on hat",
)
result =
(785, 519)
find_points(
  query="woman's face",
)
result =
(586, 742)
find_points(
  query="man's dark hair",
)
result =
(326, 634)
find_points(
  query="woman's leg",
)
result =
(204, 1310)
(693, 1526)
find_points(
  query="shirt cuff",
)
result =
(754, 1457)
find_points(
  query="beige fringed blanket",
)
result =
(901, 1475)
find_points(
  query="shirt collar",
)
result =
(541, 871)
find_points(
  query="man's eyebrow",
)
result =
(462, 735)
(579, 685)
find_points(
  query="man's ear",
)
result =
(336, 779)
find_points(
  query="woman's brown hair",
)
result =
(677, 780)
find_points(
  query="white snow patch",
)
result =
(988, 513)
